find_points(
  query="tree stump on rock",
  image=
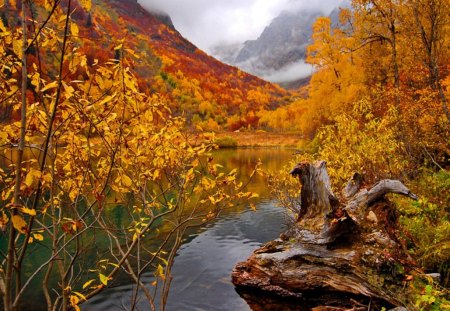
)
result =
(341, 252)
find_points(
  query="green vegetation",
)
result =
(226, 142)
(427, 222)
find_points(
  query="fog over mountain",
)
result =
(279, 51)
(264, 38)
(278, 54)
(209, 23)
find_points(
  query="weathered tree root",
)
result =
(347, 247)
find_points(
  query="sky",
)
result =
(207, 23)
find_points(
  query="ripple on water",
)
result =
(202, 268)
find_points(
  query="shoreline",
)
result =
(259, 139)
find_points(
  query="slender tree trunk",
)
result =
(429, 42)
(10, 259)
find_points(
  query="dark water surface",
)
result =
(202, 267)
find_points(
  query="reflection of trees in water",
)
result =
(245, 160)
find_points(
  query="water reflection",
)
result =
(201, 272)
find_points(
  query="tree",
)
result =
(432, 20)
(90, 141)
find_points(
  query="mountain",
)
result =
(279, 52)
(281, 45)
(195, 84)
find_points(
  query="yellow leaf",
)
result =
(17, 48)
(28, 211)
(87, 283)
(86, 4)
(38, 236)
(106, 99)
(80, 295)
(32, 175)
(74, 300)
(3, 136)
(50, 86)
(156, 174)
(126, 181)
(160, 271)
(74, 29)
(73, 194)
(19, 223)
(103, 279)
(47, 5)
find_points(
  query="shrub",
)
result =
(226, 142)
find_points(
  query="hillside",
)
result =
(204, 90)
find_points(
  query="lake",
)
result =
(202, 267)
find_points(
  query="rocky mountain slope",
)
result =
(195, 84)
(279, 53)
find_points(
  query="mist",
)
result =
(290, 73)
(207, 23)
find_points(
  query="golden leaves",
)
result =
(126, 181)
(85, 285)
(49, 86)
(103, 279)
(74, 301)
(160, 272)
(32, 177)
(74, 29)
(86, 4)
(18, 48)
(3, 30)
(3, 136)
(28, 211)
(38, 236)
(19, 223)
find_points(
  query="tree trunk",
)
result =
(317, 198)
(339, 252)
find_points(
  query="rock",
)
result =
(372, 217)
(435, 276)
(381, 239)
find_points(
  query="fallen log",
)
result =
(345, 247)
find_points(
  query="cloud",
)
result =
(289, 73)
(325, 6)
(209, 22)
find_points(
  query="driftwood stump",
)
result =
(341, 252)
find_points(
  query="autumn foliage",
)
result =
(393, 55)
(83, 137)
(378, 105)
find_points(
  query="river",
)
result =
(202, 267)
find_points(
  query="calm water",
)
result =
(202, 268)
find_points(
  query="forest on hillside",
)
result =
(130, 125)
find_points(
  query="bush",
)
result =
(427, 222)
(226, 142)
(361, 142)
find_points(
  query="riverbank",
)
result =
(259, 139)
